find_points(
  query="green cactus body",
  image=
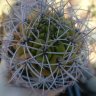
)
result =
(46, 45)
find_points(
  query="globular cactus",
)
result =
(46, 50)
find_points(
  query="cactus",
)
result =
(46, 50)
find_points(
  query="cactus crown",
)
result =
(45, 49)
